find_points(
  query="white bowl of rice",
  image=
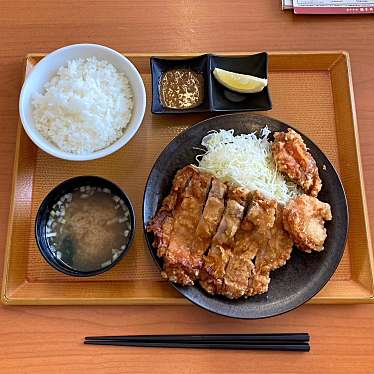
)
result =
(82, 102)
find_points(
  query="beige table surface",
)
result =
(48, 339)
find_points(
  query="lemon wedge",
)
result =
(239, 82)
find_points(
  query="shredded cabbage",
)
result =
(245, 160)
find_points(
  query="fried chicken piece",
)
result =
(280, 243)
(202, 213)
(262, 213)
(292, 158)
(178, 263)
(236, 202)
(209, 221)
(248, 241)
(212, 273)
(162, 224)
(211, 276)
(240, 265)
(273, 254)
(304, 218)
(175, 223)
(239, 269)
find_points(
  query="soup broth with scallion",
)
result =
(88, 228)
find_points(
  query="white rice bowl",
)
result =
(104, 136)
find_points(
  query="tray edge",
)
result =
(346, 57)
(6, 265)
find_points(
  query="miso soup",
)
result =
(89, 228)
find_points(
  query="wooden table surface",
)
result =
(48, 339)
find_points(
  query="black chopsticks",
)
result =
(274, 342)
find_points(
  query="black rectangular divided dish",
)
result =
(217, 98)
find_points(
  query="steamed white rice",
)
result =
(85, 107)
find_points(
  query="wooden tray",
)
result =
(311, 90)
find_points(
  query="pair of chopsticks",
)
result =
(272, 342)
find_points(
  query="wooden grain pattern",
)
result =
(322, 108)
(48, 339)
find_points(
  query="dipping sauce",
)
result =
(181, 89)
(89, 228)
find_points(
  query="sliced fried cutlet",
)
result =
(240, 265)
(178, 263)
(248, 241)
(212, 274)
(209, 221)
(272, 255)
(162, 224)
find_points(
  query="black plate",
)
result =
(217, 98)
(304, 274)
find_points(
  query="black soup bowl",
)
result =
(46, 207)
